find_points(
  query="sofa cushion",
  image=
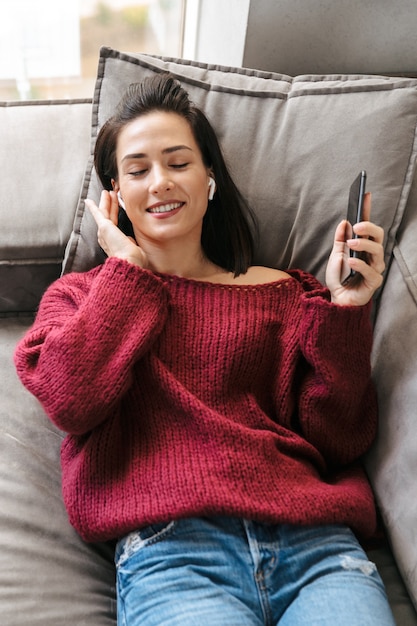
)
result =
(392, 463)
(294, 146)
(48, 575)
(44, 149)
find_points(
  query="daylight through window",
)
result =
(49, 48)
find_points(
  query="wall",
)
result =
(308, 36)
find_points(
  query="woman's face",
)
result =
(162, 178)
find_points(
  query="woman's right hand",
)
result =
(109, 236)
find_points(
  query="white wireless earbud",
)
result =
(120, 199)
(212, 188)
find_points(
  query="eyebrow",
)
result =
(142, 155)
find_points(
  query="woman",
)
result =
(215, 411)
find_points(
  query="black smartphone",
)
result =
(354, 215)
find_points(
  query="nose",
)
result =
(160, 181)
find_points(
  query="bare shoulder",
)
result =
(258, 275)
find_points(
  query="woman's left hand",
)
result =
(370, 241)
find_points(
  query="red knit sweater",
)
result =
(184, 398)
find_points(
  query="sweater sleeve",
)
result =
(77, 358)
(337, 405)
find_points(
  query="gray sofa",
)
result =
(294, 145)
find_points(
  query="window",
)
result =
(49, 48)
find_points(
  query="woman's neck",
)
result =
(181, 261)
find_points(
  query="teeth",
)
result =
(166, 208)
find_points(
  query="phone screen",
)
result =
(354, 215)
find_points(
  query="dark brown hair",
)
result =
(227, 234)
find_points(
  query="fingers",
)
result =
(106, 218)
(343, 232)
(371, 273)
(108, 207)
(369, 230)
(109, 236)
(366, 208)
(114, 207)
(370, 241)
(94, 210)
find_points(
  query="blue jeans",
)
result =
(230, 572)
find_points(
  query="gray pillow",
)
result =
(293, 145)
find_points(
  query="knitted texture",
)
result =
(184, 398)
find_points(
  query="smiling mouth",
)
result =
(165, 208)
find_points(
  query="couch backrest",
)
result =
(44, 148)
(294, 145)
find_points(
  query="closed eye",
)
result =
(179, 166)
(138, 173)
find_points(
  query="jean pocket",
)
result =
(139, 539)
